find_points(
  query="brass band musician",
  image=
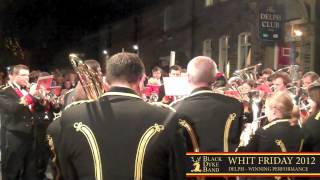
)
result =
(216, 118)
(119, 136)
(17, 106)
(312, 125)
(282, 133)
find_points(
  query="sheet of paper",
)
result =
(176, 86)
(44, 82)
(55, 90)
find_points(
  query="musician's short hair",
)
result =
(251, 83)
(313, 75)
(202, 69)
(267, 71)
(314, 94)
(93, 64)
(156, 68)
(18, 67)
(124, 67)
(283, 75)
(175, 67)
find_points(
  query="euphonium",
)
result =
(292, 70)
(90, 80)
(248, 73)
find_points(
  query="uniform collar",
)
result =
(14, 85)
(317, 115)
(201, 90)
(122, 91)
(274, 122)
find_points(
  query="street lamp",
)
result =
(105, 52)
(297, 32)
(136, 48)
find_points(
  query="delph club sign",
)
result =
(270, 23)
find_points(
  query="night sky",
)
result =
(43, 29)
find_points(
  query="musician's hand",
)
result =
(33, 89)
(24, 101)
(246, 134)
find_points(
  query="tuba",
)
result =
(90, 80)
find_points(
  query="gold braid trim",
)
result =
(301, 145)
(283, 149)
(281, 144)
(164, 106)
(121, 94)
(142, 149)
(57, 115)
(86, 131)
(317, 116)
(191, 133)
(227, 130)
(274, 123)
(76, 103)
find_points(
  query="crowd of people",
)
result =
(133, 130)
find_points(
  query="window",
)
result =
(223, 52)
(166, 18)
(244, 48)
(207, 48)
(209, 3)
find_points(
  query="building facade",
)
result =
(235, 33)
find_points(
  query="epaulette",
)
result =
(219, 90)
(164, 106)
(77, 103)
(274, 123)
(57, 115)
(69, 91)
(5, 86)
(317, 116)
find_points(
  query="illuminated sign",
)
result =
(270, 23)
